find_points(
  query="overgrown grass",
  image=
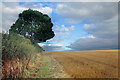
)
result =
(17, 52)
(15, 68)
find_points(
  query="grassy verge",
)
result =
(44, 66)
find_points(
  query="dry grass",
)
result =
(89, 64)
(15, 68)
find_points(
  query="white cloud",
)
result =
(100, 20)
(35, 5)
(59, 6)
(38, 7)
(52, 47)
(50, 40)
(61, 28)
(72, 27)
(105, 29)
(45, 10)
(64, 28)
(88, 37)
(86, 12)
(10, 11)
(62, 32)
(60, 0)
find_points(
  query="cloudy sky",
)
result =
(77, 25)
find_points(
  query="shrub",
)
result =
(38, 48)
(17, 46)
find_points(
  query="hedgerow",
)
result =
(17, 46)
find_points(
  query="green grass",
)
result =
(48, 69)
(44, 70)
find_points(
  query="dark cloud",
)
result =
(94, 44)
(103, 25)
(99, 19)
(87, 11)
(105, 29)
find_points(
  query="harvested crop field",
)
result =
(89, 64)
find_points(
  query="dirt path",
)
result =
(45, 66)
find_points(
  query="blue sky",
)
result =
(70, 36)
(77, 25)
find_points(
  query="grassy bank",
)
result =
(45, 66)
(17, 52)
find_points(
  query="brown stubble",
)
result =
(89, 64)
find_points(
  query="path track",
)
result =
(46, 67)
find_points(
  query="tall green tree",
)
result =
(33, 25)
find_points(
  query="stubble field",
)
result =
(89, 64)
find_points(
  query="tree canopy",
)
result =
(33, 25)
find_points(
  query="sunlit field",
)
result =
(89, 64)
